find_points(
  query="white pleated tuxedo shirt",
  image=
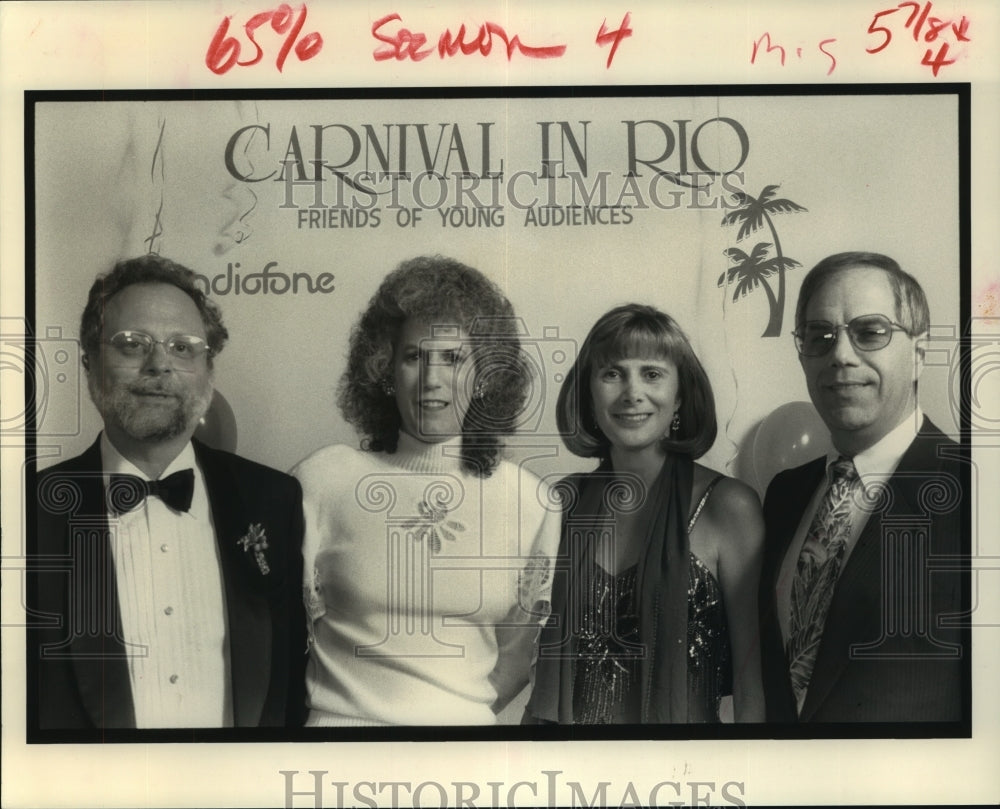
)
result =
(172, 602)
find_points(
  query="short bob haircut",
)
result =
(439, 291)
(912, 312)
(636, 330)
(147, 269)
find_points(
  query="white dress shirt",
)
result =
(172, 602)
(875, 466)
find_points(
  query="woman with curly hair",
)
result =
(654, 619)
(429, 555)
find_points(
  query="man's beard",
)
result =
(152, 424)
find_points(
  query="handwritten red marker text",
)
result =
(919, 21)
(823, 46)
(397, 41)
(224, 50)
(402, 43)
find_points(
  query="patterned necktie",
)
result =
(816, 575)
(125, 492)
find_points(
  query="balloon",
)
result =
(789, 436)
(217, 427)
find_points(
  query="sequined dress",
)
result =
(606, 687)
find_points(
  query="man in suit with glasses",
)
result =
(857, 624)
(167, 588)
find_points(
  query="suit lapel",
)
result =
(792, 508)
(853, 618)
(247, 608)
(848, 615)
(785, 518)
(97, 647)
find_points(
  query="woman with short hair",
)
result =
(655, 617)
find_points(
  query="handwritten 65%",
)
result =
(224, 50)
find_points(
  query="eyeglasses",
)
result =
(136, 346)
(815, 338)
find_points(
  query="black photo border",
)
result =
(915, 730)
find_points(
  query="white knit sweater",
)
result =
(426, 586)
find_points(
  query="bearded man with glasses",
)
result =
(859, 614)
(168, 585)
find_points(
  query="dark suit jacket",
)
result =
(77, 668)
(884, 655)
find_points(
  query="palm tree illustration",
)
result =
(751, 271)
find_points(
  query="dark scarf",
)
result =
(662, 579)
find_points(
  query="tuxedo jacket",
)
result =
(891, 649)
(77, 666)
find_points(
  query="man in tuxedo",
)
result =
(859, 609)
(168, 580)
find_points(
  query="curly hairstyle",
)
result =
(148, 269)
(438, 290)
(636, 330)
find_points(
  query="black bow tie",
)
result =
(125, 492)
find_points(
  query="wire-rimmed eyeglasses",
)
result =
(136, 346)
(815, 338)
